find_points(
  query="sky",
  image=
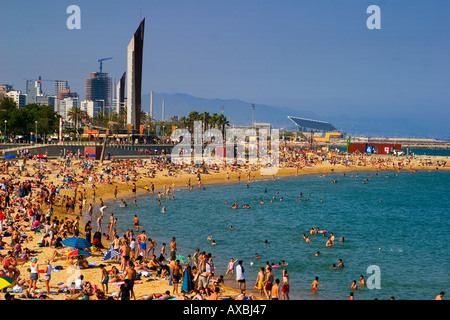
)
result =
(309, 55)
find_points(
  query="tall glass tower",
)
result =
(98, 87)
(134, 76)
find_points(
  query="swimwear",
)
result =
(202, 281)
(34, 272)
(126, 257)
(285, 288)
(268, 285)
(142, 245)
(260, 284)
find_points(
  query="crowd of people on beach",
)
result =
(50, 200)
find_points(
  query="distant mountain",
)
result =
(239, 112)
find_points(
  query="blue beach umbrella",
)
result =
(76, 242)
(110, 254)
(181, 258)
(187, 284)
(10, 156)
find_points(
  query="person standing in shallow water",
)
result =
(315, 284)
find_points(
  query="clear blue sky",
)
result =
(316, 55)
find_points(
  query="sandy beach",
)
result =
(121, 176)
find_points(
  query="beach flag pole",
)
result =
(60, 130)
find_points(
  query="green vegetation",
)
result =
(23, 121)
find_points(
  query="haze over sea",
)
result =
(405, 235)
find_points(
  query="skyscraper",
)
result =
(34, 90)
(120, 95)
(19, 98)
(61, 85)
(98, 87)
(134, 76)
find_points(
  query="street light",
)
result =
(253, 114)
(36, 129)
(6, 121)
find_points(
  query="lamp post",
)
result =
(253, 115)
(6, 121)
(36, 129)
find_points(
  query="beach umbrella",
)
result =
(110, 254)
(76, 242)
(187, 284)
(77, 252)
(10, 156)
(181, 258)
(5, 281)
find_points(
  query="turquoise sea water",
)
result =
(406, 235)
(429, 152)
(419, 152)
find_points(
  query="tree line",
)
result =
(22, 121)
(16, 121)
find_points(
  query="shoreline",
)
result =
(178, 181)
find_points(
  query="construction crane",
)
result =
(40, 79)
(101, 62)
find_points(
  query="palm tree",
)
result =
(75, 115)
(193, 116)
(184, 122)
(205, 117)
(213, 120)
(222, 122)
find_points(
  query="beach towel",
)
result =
(119, 283)
(16, 289)
(187, 284)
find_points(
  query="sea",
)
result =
(394, 225)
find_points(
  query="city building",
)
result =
(34, 90)
(61, 85)
(134, 76)
(92, 107)
(120, 101)
(52, 101)
(4, 88)
(19, 98)
(98, 87)
(65, 105)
